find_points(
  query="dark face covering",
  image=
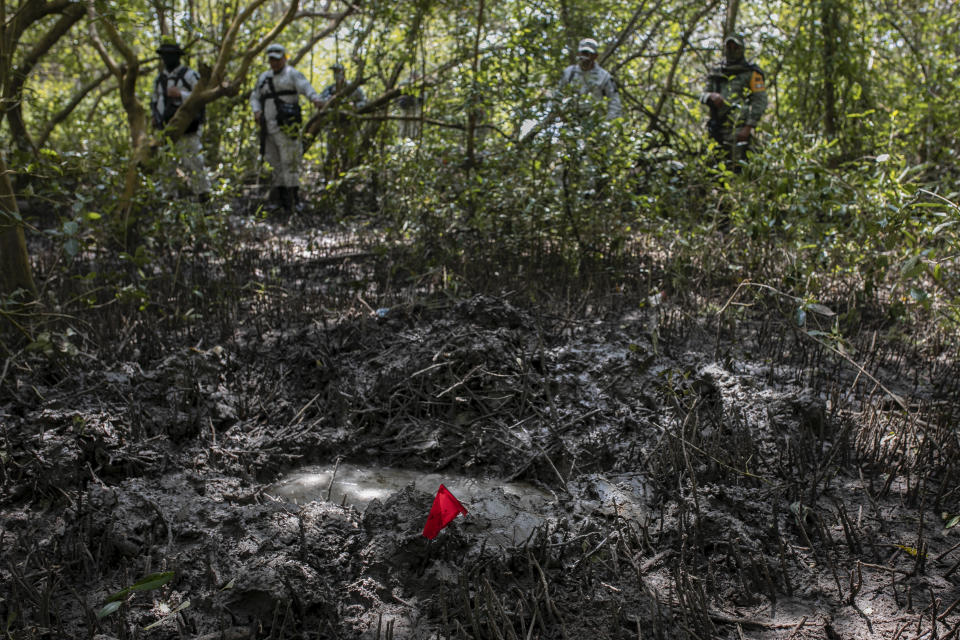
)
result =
(170, 60)
(734, 53)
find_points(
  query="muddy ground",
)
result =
(708, 473)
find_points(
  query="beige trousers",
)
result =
(188, 165)
(283, 153)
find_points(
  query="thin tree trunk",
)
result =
(474, 113)
(684, 43)
(15, 79)
(828, 22)
(15, 271)
(730, 23)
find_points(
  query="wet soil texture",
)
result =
(685, 474)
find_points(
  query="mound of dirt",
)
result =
(685, 489)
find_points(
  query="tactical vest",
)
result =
(170, 105)
(288, 113)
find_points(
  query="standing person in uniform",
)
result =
(275, 101)
(587, 79)
(585, 87)
(341, 136)
(411, 109)
(588, 84)
(170, 89)
(736, 95)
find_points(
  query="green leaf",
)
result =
(943, 225)
(13, 215)
(109, 608)
(820, 309)
(953, 522)
(153, 581)
(119, 595)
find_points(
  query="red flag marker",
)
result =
(445, 508)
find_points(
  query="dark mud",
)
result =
(701, 477)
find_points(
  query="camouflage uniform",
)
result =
(591, 87)
(741, 83)
(583, 89)
(342, 130)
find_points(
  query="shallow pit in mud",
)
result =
(511, 510)
(503, 513)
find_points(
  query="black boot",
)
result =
(286, 199)
(276, 197)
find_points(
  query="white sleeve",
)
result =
(156, 98)
(192, 78)
(304, 87)
(615, 107)
(255, 103)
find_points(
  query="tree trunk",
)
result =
(829, 29)
(15, 272)
(684, 44)
(730, 23)
(473, 112)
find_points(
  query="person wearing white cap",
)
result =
(587, 78)
(587, 82)
(275, 101)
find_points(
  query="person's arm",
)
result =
(756, 105)
(155, 108)
(255, 104)
(304, 88)
(552, 103)
(190, 80)
(757, 101)
(155, 95)
(614, 107)
(711, 95)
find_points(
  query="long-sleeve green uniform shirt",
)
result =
(744, 95)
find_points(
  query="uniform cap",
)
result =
(735, 38)
(169, 45)
(587, 45)
(276, 51)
